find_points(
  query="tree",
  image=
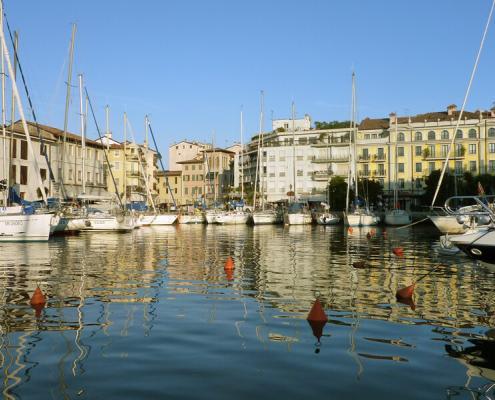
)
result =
(337, 192)
(332, 124)
(371, 190)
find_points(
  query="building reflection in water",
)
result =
(106, 286)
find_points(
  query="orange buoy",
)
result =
(368, 235)
(38, 298)
(229, 264)
(229, 274)
(38, 301)
(405, 293)
(317, 319)
(408, 302)
(398, 251)
(350, 230)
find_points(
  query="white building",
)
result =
(302, 124)
(184, 151)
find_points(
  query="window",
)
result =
(400, 151)
(281, 174)
(472, 134)
(400, 167)
(431, 135)
(400, 137)
(401, 183)
(431, 150)
(117, 165)
(300, 172)
(88, 176)
(445, 150)
(271, 174)
(381, 154)
(445, 135)
(419, 167)
(116, 153)
(186, 167)
(14, 173)
(24, 175)
(472, 149)
(431, 167)
(175, 190)
(97, 177)
(458, 134)
(186, 191)
(303, 140)
(491, 165)
(71, 174)
(418, 151)
(79, 176)
(300, 158)
(418, 136)
(366, 155)
(381, 169)
(459, 150)
(43, 174)
(24, 150)
(271, 158)
(166, 190)
(417, 183)
(458, 167)
(193, 167)
(14, 148)
(176, 180)
(472, 166)
(42, 149)
(491, 132)
(491, 147)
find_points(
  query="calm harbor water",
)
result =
(152, 314)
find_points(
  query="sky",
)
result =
(192, 65)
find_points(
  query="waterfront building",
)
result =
(193, 180)
(169, 188)
(65, 156)
(184, 151)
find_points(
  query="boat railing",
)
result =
(478, 206)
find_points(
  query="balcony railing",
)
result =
(329, 159)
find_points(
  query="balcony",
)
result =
(378, 173)
(379, 157)
(364, 158)
(329, 159)
(322, 175)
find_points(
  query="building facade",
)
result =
(184, 151)
(169, 189)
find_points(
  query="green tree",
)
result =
(332, 124)
(338, 191)
(371, 190)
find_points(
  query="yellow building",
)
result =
(169, 188)
(405, 150)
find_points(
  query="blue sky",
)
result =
(190, 65)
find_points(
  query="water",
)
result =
(152, 314)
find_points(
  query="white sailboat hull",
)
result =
(234, 218)
(298, 219)
(211, 216)
(159, 219)
(447, 224)
(21, 227)
(108, 223)
(69, 224)
(191, 219)
(265, 218)
(361, 220)
(397, 217)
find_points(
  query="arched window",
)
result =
(491, 132)
(400, 137)
(445, 134)
(418, 136)
(431, 135)
(458, 134)
(472, 134)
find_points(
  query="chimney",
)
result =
(451, 109)
(392, 118)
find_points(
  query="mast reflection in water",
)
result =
(154, 314)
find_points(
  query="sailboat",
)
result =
(238, 215)
(297, 212)
(359, 216)
(101, 215)
(396, 216)
(262, 216)
(16, 224)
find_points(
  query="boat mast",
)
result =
(262, 183)
(396, 194)
(12, 111)
(353, 122)
(293, 112)
(83, 133)
(242, 159)
(66, 114)
(125, 160)
(17, 98)
(4, 134)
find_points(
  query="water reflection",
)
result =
(160, 291)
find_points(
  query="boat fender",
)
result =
(87, 223)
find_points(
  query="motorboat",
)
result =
(235, 217)
(327, 218)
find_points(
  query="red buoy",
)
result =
(368, 235)
(398, 251)
(408, 302)
(229, 264)
(38, 301)
(317, 319)
(350, 230)
(405, 293)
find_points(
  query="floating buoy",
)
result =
(38, 301)
(398, 251)
(408, 302)
(359, 264)
(373, 232)
(229, 274)
(405, 293)
(368, 235)
(317, 319)
(229, 264)
(350, 230)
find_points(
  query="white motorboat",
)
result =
(158, 219)
(232, 218)
(267, 217)
(327, 218)
(25, 227)
(397, 217)
(297, 214)
(477, 243)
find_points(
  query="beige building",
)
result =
(65, 156)
(184, 151)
